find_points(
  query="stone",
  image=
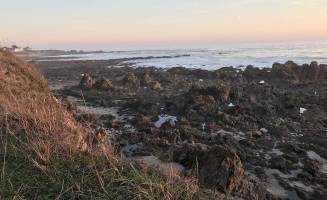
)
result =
(156, 86)
(278, 163)
(312, 166)
(130, 81)
(86, 82)
(218, 166)
(103, 84)
(146, 79)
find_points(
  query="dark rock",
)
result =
(286, 72)
(86, 82)
(220, 92)
(103, 84)
(204, 100)
(310, 72)
(279, 131)
(279, 163)
(146, 79)
(156, 86)
(312, 166)
(131, 80)
(218, 166)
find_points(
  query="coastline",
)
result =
(272, 118)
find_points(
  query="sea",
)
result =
(261, 55)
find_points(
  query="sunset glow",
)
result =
(156, 23)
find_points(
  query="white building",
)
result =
(17, 49)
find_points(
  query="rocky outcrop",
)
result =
(310, 72)
(294, 73)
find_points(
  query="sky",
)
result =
(130, 24)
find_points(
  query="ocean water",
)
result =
(236, 55)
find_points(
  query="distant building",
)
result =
(16, 49)
(13, 48)
(27, 49)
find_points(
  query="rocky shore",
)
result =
(252, 134)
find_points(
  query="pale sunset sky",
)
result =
(115, 24)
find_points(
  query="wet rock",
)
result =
(235, 93)
(252, 189)
(279, 131)
(156, 86)
(310, 72)
(295, 148)
(131, 80)
(146, 79)
(228, 172)
(86, 82)
(294, 73)
(204, 100)
(143, 122)
(220, 92)
(218, 166)
(312, 166)
(293, 158)
(279, 163)
(306, 176)
(287, 71)
(103, 84)
(257, 134)
(253, 73)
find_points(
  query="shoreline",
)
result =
(273, 118)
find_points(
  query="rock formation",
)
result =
(86, 82)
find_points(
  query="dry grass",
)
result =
(46, 154)
(33, 114)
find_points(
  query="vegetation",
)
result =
(46, 154)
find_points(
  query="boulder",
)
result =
(86, 82)
(218, 166)
(156, 86)
(310, 72)
(103, 84)
(220, 92)
(312, 166)
(256, 134)
(288, 71)
(278, 163)
(131, 80)
(204, 100)
(146, 79)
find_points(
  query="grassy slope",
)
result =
(46, 154)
